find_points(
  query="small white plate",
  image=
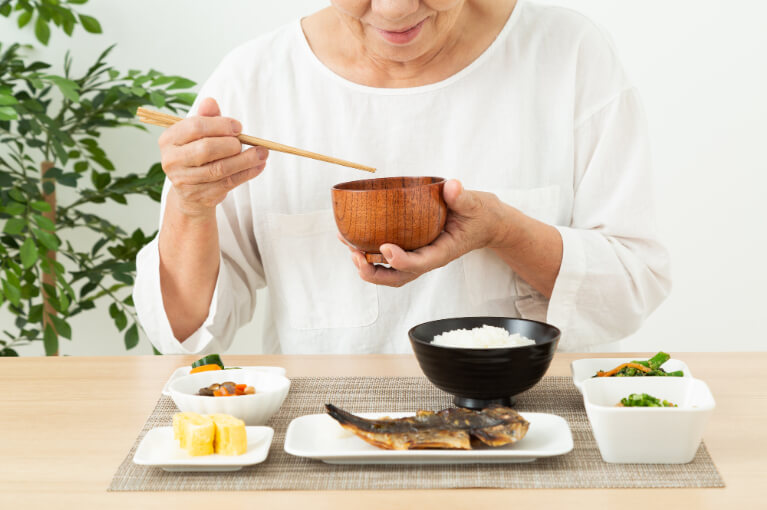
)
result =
(318, 436)
(158, 448)
(182, 371)
(583, 369)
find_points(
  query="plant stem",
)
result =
(49, 278)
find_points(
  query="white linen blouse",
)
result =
(545, 118)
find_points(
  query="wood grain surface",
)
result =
(67, 423)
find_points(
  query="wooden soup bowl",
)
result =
(407, 211)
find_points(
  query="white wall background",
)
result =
(700, 65)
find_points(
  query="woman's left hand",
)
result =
(474, 221)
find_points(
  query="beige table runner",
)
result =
(581, 468)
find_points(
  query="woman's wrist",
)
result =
(505, 222)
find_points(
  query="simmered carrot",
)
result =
(617, 369)
(205, 368)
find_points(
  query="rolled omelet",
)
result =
(230, 438)
(195, 433)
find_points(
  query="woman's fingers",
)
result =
(222, 168)
(380, 275)
(195, 128)
(235, 180)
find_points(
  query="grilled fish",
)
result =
(451, 428)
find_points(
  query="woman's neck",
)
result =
(476, 27)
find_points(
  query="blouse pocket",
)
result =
(488, 278)
(313, 276)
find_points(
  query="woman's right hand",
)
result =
(203, 159)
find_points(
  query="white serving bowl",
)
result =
(648, 435)
(583, 369)
(271, 390)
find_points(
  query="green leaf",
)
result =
(14, 226)
(8, 352)
(40, 205)
(28, 253)
(8, 113)
(12, 292)
(14, 209)
(182, 83)
(124, 278)
(7, 100)
(131, 337)
(67, 87)
(81, 166)
(50, 341)
(44, 223)
(90, 24)
(49, 240)
(119, 316)
(24, 18)
(100, 179)
(62, 326)
(42, 32)
(5, 10)
(157, 99)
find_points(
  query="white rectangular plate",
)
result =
(318, 436)
(583, 369)
(182, 371)
(158, 448)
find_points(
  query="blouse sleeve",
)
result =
(240, 273)
(614, 270)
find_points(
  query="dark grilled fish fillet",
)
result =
(451, 428)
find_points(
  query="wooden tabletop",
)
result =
(67, 423)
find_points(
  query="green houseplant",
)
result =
(50, 127)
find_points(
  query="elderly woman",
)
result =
(524, 108)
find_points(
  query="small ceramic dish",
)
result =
(271, 390)
(182, 371)
(159, 449)
(648, 435)
(583, 369)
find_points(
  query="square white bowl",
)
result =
(583, 369)
(648, 435)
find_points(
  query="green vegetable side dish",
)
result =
(211, 359)
(650, 367)
(643, 400)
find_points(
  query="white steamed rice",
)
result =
(484, 337)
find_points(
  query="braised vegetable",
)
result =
(650, 367)
(210, 359)
(643, 400)
(226, 389)
(205, 368)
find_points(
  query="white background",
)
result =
(700, 66)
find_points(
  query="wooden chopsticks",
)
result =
(165, 120)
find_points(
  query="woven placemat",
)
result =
(581, 468)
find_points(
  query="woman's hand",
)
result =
(475, 220)
(204, 160)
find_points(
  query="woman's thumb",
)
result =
(208, 108)
(457, 198)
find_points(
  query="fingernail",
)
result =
(262, 152)
(386, 252)
(236, 126)
(354, 259)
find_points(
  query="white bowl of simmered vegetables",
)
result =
(248, 394)
(659, 365)
(650, 420)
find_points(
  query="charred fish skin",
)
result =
(450, 428)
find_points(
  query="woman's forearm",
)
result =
(189, 264)
(533, 249)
